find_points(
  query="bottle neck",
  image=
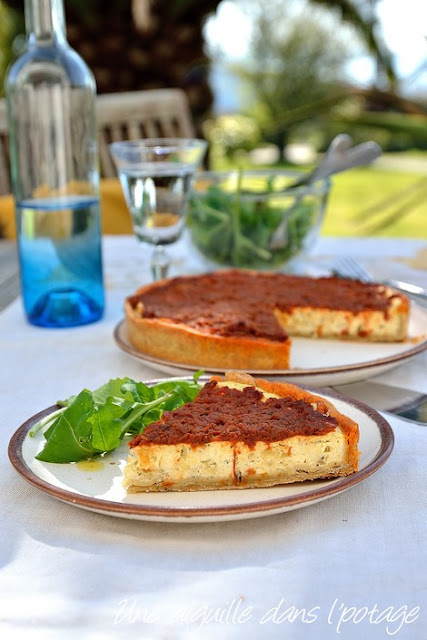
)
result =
(45, 21)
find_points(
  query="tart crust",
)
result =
(161, 338)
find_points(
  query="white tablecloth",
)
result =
(350, 567)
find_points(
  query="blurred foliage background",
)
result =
(294, 91)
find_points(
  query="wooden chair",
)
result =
(150, 113)
(156, 113)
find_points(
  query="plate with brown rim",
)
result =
(97, 485)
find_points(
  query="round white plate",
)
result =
(318, 362)
(98, 486)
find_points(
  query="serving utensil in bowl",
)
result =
(339, 157)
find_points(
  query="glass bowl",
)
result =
(254, 218)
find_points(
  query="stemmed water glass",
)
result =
(156, 176)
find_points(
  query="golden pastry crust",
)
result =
(243, 319)
(161, 338)
(239, 462)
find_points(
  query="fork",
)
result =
(347, 267)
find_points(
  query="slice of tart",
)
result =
(242, 433)
(239, 319)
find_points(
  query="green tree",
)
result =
(362, 17)
(295, 69)
(136, 44)
(11, 23)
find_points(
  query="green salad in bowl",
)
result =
(255, 218)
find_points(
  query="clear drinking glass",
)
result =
(156, 176)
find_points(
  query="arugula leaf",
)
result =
(93, 423)
(106, 426)
(69, 438)
(139, 391)
(113, 388)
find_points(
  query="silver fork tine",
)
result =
(350, 268)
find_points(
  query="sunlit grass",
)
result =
(361, 198)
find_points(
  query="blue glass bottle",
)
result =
(50, 95)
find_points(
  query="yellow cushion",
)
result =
(115, 215)
(7, 218)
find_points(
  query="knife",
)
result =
(412, 289)
(407, 404)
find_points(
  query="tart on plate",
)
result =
(240, 319)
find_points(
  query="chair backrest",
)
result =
(156, 113)
(4, 150)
